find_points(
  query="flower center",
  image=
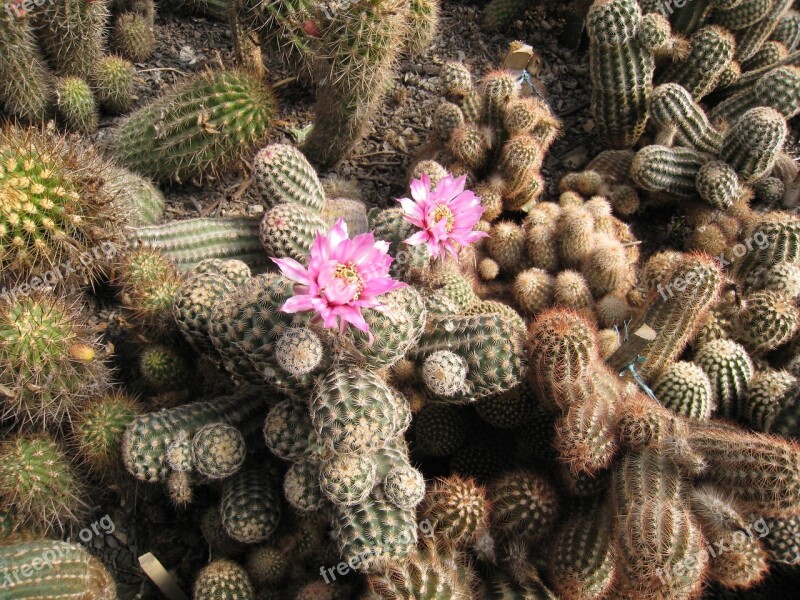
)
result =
(348, 273)
(443, 212)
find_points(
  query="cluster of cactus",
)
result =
(497, 133)
(54, 61)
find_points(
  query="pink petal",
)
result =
(420, 188)
(421, 237)
(297, 304)
(293, 270)
(411, 210)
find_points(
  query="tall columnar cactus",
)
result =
(55, 209)
(39, 486)
(198, 129)
(72, 35)
(675, 311)
(25, 81)
(280, 29)
(621, 68)
(49, 361)
(423, 25)
(361, 43)
(655, 535)
(147, 440)
(190, 241)
(55, 570)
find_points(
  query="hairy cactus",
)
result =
(223, 580)
(38, 485)
(148, 285)
(56, 570)
(25, 80)
(76, 104)
(55, 209)
(72, 35)
(250, 506)
(189, 241)
(112, 83)
(49, 362)
(196, 130)
(647, 496)
(712, 49)
(430, 572)
(457, 509)
(423, 25)
(729, 368)
(147, 439)
(361, 43)
(137, 198)
(761, 471)
(524, 506)
(676, 312)
(282, 175)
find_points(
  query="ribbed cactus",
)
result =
(163, 368)
(581, 564)
(673, 171)
(457, 509)
(729, 369)
(223, 580)
(779, 89)
(187, 242)
(39, 486)
(55, 209)
(499, 14)
(50, 363)
(134, 36)
(767, 320)
(684, 388)
(361, 43)
(250, 506)
(671, 105)
(423, 25)
(766, 398)
(218, 450)
(475, 338)
(56, 570)
(289, 230)
(712, 49)
(137, 198)
(148, 437)
(752, 144)
(196, 130)
(25, 81)
(148, 285)
(282, 174)
(72, 35)
(621, 69)
(753, 37)
(524, 506)
(718, 184)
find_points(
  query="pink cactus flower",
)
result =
(343, 276)
(446, 216)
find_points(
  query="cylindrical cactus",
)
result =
(685, 389)
(76, 104)
(112, 82)
(196, 130)
(752, 144)
(250, 506)
(673, 106)
(25, 81)
(72, 34)
(729, 369)
(282, 174)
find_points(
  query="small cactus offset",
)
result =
(76, 104)
(57, 570)
(223, 580)
(112, 82)
(198, 129)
